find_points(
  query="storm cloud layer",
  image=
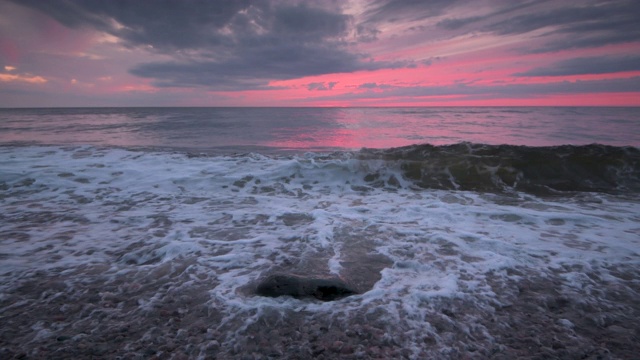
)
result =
(587, 65)
(229, 47)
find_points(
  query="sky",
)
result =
(319, 53)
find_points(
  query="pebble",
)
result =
(337, 345)
(213, 345)
(566, 323)
(211, 334)
(63, 338)
(181, 334)
(347, 349)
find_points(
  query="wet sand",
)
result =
(164, 313)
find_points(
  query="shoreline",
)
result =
(538, 316)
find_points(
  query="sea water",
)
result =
(466, 232)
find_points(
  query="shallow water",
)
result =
(109, 252)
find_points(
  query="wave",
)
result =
(111, 236)
(500, 168)
(552, 170)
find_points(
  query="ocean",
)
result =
(354, 233)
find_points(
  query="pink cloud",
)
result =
(24, 78)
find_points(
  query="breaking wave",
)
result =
(500, 168)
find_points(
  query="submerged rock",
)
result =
(325, 289)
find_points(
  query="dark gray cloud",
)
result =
(366, 33)
(167, 25)
(500, 10)
(566, 24)
(256, 67)
(587, 65)
(368, 86)
(220, 44)
(493, 91)
(373, 85)
(405, 10)
(570, 24)
(25, 98)
(321, 86)
(378, 12)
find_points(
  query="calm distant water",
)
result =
(317, 129)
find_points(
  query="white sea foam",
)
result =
(228, 220)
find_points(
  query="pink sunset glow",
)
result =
(296, 53)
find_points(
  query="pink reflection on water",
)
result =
(355, 128)
(385, 128)
(352, 128)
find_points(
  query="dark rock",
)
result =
(393, 181)
(291, 219)
(63, 338)
(371, 177)
(325, 289)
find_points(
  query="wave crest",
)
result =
(538, 170)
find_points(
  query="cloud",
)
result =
(163, 24)
(366, 33)
(223, 45)
(405, 10)
(454, 23)
(320, 86)
(24, 78)
(587, 65)
(180, 47)
(379, 14)
(257, 67)
(589, 23)
(373, 85)
(24, 97)
(493, 91)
